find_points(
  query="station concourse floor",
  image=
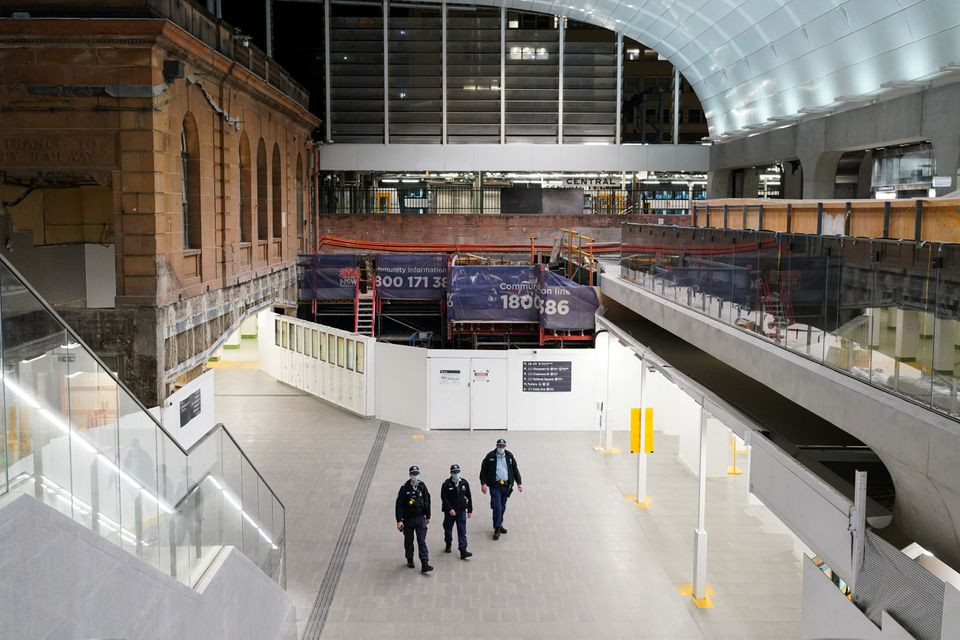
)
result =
(579, 561)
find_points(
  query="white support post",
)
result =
(386, 72)
(562, 37)
(443, 70)
(642, 456)
(619, 105)
(503, 74)
(858, 526)
(607, 431)
(676, 105)
(700, 535)
(328, 124)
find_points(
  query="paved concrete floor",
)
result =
(579, 560)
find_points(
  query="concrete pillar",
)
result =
(792, 180)
(944, 338)
(908, 334)
(940, 128)
(865, 176)
(926, 324)
(719, 184)
(751, 182)
(818, 160)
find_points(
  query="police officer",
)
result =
(499, 471)
(413, 516)
(457, 507)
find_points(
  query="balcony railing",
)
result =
(886, 312)
(77, 439)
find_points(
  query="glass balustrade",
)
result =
(886, 312)
(75, 438)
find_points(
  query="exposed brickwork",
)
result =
(85, 102)
(480, 229)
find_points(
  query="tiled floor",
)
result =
(579, 561)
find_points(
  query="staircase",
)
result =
(364, 305)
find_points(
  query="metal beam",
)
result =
(562, 37)
(328, 118)
(268, 10)
(503, 74)
(676, 105)
(619, 105)
(386, 71)
(443, 72)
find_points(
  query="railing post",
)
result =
(694, 215)
(726, 216)
(819, 218)
(760, 219)
(789, 218)
(886, 220)
(743, 214)
(847, 214)
(918, 221)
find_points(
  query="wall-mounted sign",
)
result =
(449, 376)
(189, 408)
(545, 376)
(942, 182)
(615, 183)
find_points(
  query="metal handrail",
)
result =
(73, 334)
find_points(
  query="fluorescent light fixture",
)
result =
(43, 355)
(405, 180)
(69, 345)
(596, 144)
(905, 84)
(390, 180)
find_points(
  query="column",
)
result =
(876, 326)
(562, 36)
(503, 74)
(443, 71)
(944, 338)
(700, 534)
(676, 105)
(386, 72)
(926, 324)
(619, 104)
(908, 335)
(268, 17)
(328, 123)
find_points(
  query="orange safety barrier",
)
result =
(451, 247)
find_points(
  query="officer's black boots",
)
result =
(447, 548)
(410, 563)
(464, 554)
(425, 568)
(502, 530)
(496, 534)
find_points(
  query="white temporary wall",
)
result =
(329, 363)
(197, 394)
(402, 385)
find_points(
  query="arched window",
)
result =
(301, 223)
(246, 201)
(190, 182)
(277, 195)
(263, 218)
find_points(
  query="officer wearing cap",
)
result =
(413, 516)
(457, 507)
(499, 471)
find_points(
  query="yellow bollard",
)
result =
(648, 431)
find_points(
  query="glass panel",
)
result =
(315, 341)
(140, 503)
(299, 339)
(249, 500)
(285, 327)
(331, 348)
(176, 554)
(230, 482)
(322, 345)
(268, 549)
(361, 356)
(276, 331)
(350, 355)
(341, 351)
(356, 52)
(204, 503)
(416, 85)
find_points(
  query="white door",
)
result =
(449, 393)
(488, 393)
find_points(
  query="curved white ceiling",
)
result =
(753, 60)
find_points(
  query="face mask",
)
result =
(455, 477)
(501, 451)
(414, 479)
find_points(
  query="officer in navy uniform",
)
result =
(457, 507)
(499, 471)
(413, 516)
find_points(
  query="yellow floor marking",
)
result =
(632, 497)
(418, 437)
(232, 364)
(606, 452)
(686, 589)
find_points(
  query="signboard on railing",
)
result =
(566, 305)
(417, 276)
(328, 277)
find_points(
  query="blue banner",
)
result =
(566, 305)
(328, 277)
(412, 276)
(493, 294)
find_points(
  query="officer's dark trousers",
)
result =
(418, 526)
(461, 520)
(498, 502)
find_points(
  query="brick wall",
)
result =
(480, 229)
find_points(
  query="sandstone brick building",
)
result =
(154, 150)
